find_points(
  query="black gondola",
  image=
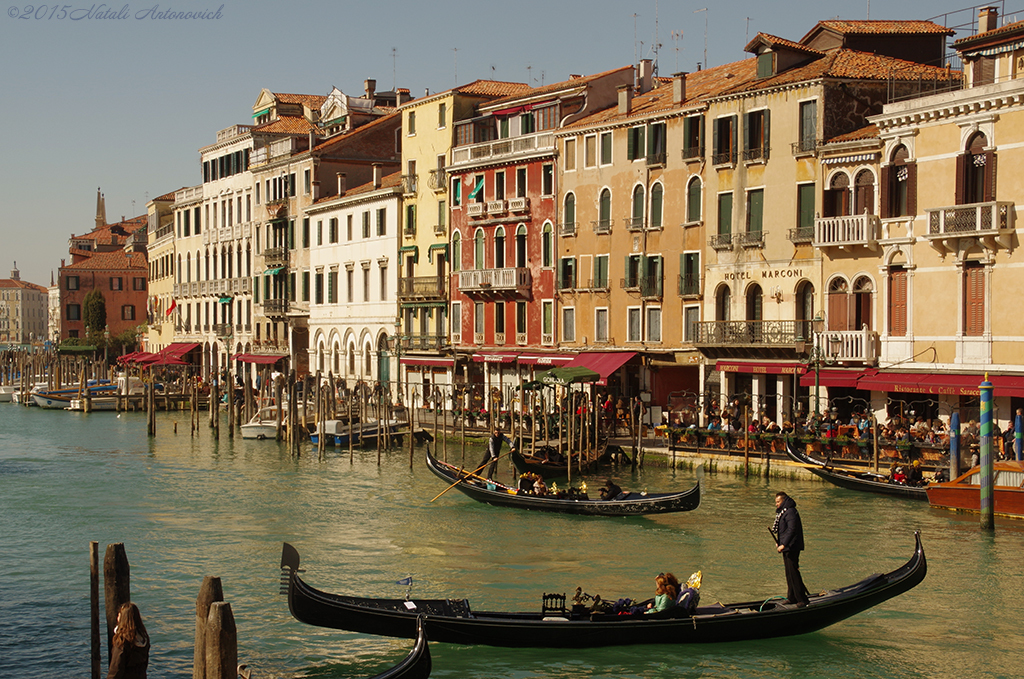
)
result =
(855, 479)
(629, 504)
(547, 469)
(453, 621)
(417, 664)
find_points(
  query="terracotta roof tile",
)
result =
(556, 87)
(116, 260)
(867, 132)
(103, 233)
(362, 129)
(388, 181)
(24, 285)
(286, 125)
(775, 42)
(882, 26)
(492, 88)
(313, 101)
(989, 37)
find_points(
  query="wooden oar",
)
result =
(472, 473)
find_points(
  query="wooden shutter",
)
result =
(990, 177)
(630, 145)
(961, 176)
(838, 311)
(884, 191)
(911, 189)
(766, 133)
(701, 136)
(734, 126)
(898, 302)
(974, 300)
(747, 141)
(716, 144)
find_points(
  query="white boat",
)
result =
(126, 386)
(263, 424)
(61, 398)
(7, 393)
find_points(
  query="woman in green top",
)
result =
(665, 593)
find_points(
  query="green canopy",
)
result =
(566, 375)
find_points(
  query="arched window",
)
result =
(499, 248)
(838, 304)
(637, 220)
(546, 245)
(657, 201)
(754, 297)
(367, 361)
(836, 201)
(976, 172)
(569, 213)
(198, 270)
(693, 200)
(478, 249)
(864, 193)
(188, 267)
(337, 359)
(804, 311)
(862, 291)
(351, 359)
(521, 246)
(456, 251)
(899, 184)
(604, 209)
(723, 303)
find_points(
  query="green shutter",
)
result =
(700, 134)
(656, 200)
(806, 201)
(767, 122)
(716, 141)
(755, 219)
(725, 214)
(687, 126)
(630, 144)
(747, 129)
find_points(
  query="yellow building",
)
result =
(427, 135)
(161, 257)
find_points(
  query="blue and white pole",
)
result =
(986, 504)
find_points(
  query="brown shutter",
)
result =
(838, 311)
(961, 170)
(990, 177)
(911, 189)
(884, 188)
(974, 301)
(897, 302)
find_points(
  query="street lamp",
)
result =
(106, 343)
(819, 355)
(398, 354)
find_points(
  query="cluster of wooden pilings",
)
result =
(216, 640)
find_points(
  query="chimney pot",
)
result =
(377, 168)
(370, 87)
(679, 87)
(646, 75)
(988, 19)
(341, 183)
(625, 99)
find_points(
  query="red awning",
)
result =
(759, 367)
(602, 362)
(177, 349)
(951, 384)
(546, 359)
(496, 357)
(428, 360)
(259, 359)
(833, 378)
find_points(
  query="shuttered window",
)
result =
(974, 299)
(725, 213)
(898, 302)
(657, 194)
(755, 211)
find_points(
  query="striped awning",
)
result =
(273, 271)
(846, 160)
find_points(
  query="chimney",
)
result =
(646, 74)
(377, 168)
(370, 87)
(341, 183)
(679, 87)
(312, 139)
(625, 99)
(403, 96)
(988, 19)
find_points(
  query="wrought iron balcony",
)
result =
(649, 287)
(801, 235)
(424, 342)
(602, 226)
(422, 287)
(992, 223)
(846, 231)
(693, 152)
(750, 239)
(634, 223)
(567, 229)
(747, 333)
(275, 307)
(689, 285)
(438, 180)
(510, 279)
(754, 155)
(222, 329)
(656, 159)
(805, 146)
(275, 257)
(721, 241)
(409, 183)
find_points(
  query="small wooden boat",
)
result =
(964, 492)
(628, 504)
(855, 479)
(417, 664)
(548, 469)
(454, 621)
(60, 399)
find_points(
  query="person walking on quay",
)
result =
(789, 535)
(494, 452)
(129, 654)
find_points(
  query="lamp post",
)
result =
(818, 356)
(106, 344)
(398, 354)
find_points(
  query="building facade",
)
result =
(23, 311)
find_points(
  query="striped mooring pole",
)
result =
(986, 504)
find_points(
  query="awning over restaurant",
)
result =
(259, 359)
(545, 359)
(428, 361)
(601, 362)
(832, 378)
(759, 367)
(494, 357)
(177, 349)
(951, 384)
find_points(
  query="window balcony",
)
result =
(438, 180)
(750, 239)
(507, 280)
(409, 183)
(846, 231)
(721, 241)
(496, 207)
(649, 287)
(602, 226)
(526, 146)
(476, 209)
(805, 147)
(274, 257)
(991, 223)
(440, 229)
(634, 223)
(801, 235)
(518, 204)
(751, 333)
(656, 159)
(409, 230)
(422, 287)
(424, 342)
(275, 307)
(754, 155)
(598, 284)
(567, 229)
(269, 346)
(689, 285)
(693, 152)
(849, 346)
(222, 329)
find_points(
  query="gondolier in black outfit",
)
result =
(494, 451)
(789, 532)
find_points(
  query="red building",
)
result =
(112, 259)
(504, 211)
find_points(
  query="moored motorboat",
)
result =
(855, 479)
(964, 492)
(263, 425)
(454, 621)
(60, 399)
(627, 504)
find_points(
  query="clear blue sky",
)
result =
(125, 103)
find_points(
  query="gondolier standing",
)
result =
(494, 451)
(789, 535)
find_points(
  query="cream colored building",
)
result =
(23, 311)
(161, 257)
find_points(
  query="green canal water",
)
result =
(189, 507)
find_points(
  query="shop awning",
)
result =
(602, 362)
(443, 247)
(495, 357)
(177, 349)
(759, 367)
(259, 359)
(429, 361)
(951, 384)
(545, 359)
(833, 378)
(273, 271)
(412, 250)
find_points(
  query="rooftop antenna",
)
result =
(705, 10)
(636, 56)
(748, 29)
(869, 9)
(394, 69)
(657, 37)
(456, 51)
(676, 37)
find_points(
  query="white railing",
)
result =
(510, 278)
(475, 209)
(501, 148)
(189, 194)
(518, 204)
(849, 345)
(846, 230)
(495, 207)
